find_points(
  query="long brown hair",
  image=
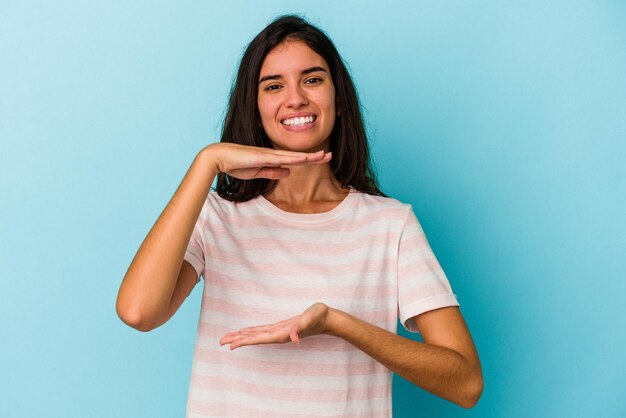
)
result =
(348, 141)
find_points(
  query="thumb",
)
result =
(273, 172)
(293, 334)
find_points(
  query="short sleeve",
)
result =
(422, 284)
(195, 249)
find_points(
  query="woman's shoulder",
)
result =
(387, 206)
(383, 201)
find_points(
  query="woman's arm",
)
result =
(447, 365)
(155, 285)
(146, 291)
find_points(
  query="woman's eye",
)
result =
(272, 87)
(313, 80)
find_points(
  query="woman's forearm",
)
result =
(438, 370)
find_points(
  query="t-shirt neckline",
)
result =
(334, 213)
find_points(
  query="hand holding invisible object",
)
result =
(310, 322)
(248, 162)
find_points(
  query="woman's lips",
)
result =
(295, 124)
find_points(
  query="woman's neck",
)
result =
(306, 189)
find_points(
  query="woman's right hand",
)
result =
(248, 162)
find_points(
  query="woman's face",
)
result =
(296, 98)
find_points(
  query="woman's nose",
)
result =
(296, 97)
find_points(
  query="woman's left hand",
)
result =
(310, 322)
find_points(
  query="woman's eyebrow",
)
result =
(279, 76)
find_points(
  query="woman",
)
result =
(298, 245)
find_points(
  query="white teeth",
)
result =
(299, 121)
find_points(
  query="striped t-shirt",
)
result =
(368, 256)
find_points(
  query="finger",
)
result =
(327, 157)
(294, 335)
(315, 155)
(227, 339)
(293, 160)
(260, 338)
(299, 155)
(232, 336)
(238, 343)
(285, 157)
(257, 328)
(295, 153)
(275, 161)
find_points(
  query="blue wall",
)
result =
(501, 122)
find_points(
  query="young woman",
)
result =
(307, 265)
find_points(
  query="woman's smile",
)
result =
(299, 122)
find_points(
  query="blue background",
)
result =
(501, 122)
